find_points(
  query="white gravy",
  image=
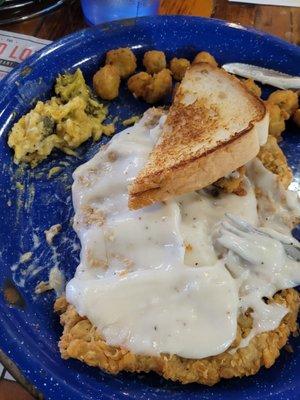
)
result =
(162, 310)
(166, 279)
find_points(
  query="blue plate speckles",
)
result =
(30, 202)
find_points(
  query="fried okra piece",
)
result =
(137, 83)
(252, 87)
(277, 120)
(159, 87)
(106, 82)
(123, 59)
(151, 88)
(203, 56)
(154, 61)
(178, 67)
(286, 100)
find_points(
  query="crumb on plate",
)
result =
(52, 232)
(131, 121)
(26, 257)
(42, 287)
(53, 171)
(56, 282)
(20, 186)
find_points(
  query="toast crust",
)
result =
(172, 168)
(189, 173)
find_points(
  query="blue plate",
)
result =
(31, 202)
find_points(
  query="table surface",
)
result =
(280, 21)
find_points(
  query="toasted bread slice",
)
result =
(214, 126)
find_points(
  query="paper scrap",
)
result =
(15, 48)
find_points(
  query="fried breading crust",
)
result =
(275, 161)
(272, 158)
(233, 184)
(81, 340)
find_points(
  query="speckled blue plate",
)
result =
(30, 202)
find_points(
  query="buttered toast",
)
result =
(214, 126)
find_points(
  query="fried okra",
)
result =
(178, 67)
(159, 87)
(252, 87)
(277, 120)
(286, 100)
(203, 56)
(137, 83)
(151, 88)
(106, 82)
(123, 59)
(154, 61)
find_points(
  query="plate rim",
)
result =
(16, 354)
(17, 71)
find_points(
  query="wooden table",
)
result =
(280, 21)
